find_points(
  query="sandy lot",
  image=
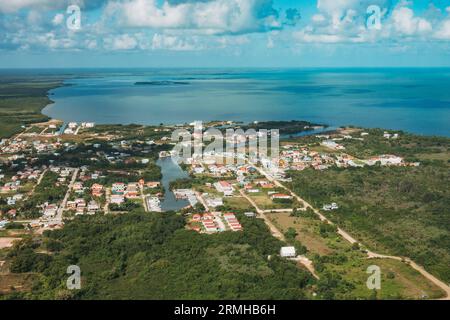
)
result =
(7, 242)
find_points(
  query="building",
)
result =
(93, 206)
(225, 187)
(214, 202)
(131, 191)
(50, 210)
(3, 223)
(117, 199)
(287, 252)
(118, 188)
(152, 184)
(332, 145)
(281, 196)
(97, 190)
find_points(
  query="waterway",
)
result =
(171, 171)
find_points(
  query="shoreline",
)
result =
(335, 128)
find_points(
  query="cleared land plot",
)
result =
(7, 242)
(331, 254)
(264, 202)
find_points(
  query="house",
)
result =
(77, 186)
(50, 210)
(287, 252)
(3, 223)
(93, 206)
(209, 225)
(131, 191)
(72, 125)
(117, 199)
(225, 187)
(81, 207)
(214, 202)
(97, 190)
(232, 221)
(152, 184)
(329, 207)
(250, 214)
(118, 188)
(71, 205)
(12, 213)
(332, 145)
(387, 160)
(208, 216)
(198, 169)
(196, 217)
(280, 196)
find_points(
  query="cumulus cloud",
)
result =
(11, 6)
(188, 25)
(15, 5)
(209, 17)
(344, 21)
(406, 23)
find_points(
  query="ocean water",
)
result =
(414, 100)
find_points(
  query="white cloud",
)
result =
(58, 19)
(9, 6)
(318, 18)
(174, 43)
(345, 21)
(443, 32)
(91, 44)
(123, 42)
(406, 23)
(210, 17)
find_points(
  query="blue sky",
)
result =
(225, 33)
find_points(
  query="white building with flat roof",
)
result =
(287, 252)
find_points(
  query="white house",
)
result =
(117, 199)
(287, 252)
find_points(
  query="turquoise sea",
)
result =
(414, 100)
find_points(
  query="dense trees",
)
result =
(152, 256)
(397, 210)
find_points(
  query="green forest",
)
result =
(21, 101)
(152, 256)
(398, 210)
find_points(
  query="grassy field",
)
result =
(239, 203)
(21, 101)
(264, 202)
(333, 255)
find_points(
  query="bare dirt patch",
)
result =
(7, 242)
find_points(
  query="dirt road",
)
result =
(445, 287)
(275, 232)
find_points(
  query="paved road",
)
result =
(370, 254)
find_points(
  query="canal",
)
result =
(171, 171)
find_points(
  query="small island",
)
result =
(160, 83)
